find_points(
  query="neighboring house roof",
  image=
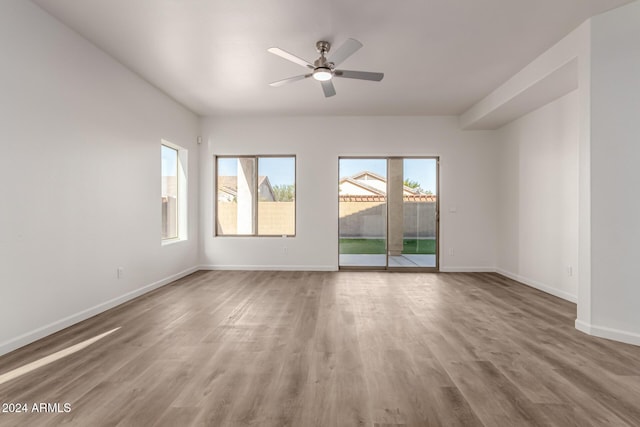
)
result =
(376, 198)
(229, 184)
(264, 183)
(411, 191)
(228, 191)
(365, 174)
(366, 187)
(360, 179)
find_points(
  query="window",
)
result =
(255, 195)
(173, 193)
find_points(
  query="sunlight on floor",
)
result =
(8, 376)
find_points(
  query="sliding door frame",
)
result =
(386, 239)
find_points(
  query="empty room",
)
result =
(279, 213)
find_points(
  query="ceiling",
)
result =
(439, 56)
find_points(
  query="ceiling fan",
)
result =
(324, 68)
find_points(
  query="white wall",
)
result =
(538, 198)
(615, 162)
(80, 172)
(467, 182)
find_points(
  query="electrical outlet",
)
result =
(284, 249)
(570, 271)
(120, 272)
(451, 252)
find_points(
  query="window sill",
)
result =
(267, 236)
(168, 242)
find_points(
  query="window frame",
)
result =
(255, 201)
(181, 193)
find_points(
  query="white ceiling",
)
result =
(439, 56)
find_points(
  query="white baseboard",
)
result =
(537, 285)
(467, 270)
(583, 327)
(271, 267)
(58, 325)
(608, 333)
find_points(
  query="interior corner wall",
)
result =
(538, 198)
(615, 160)
(467, 183)
(80, 138)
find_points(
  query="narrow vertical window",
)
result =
(170, 193)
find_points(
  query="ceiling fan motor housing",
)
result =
(323, 47)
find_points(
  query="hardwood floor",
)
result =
(332, 349)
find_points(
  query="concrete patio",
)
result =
(380, 260)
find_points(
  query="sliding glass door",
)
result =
(418, 219)
(388, 213)
(363, 213)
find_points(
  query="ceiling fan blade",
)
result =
(328, 88)
(290, 57)
(347, 49)
(361, 75)
(289, 80)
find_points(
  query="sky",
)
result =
(280, 170)
(169, 161)
(422, 171)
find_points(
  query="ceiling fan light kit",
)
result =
(322, 74)
(323, 68)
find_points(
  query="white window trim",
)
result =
(257, 157)
(183, 186)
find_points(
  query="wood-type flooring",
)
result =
(240, 348)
